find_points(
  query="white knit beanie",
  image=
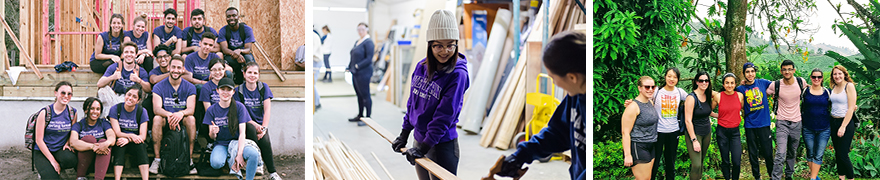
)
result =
(442, 26)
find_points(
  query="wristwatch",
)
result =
(693, 139)
(265, 128)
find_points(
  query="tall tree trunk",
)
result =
(734, 35)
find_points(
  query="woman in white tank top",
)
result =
(843, 105)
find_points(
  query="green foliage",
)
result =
(631, 39)
(864, 71)
(11, 18)
(608, 161)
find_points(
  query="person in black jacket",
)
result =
(361, 68)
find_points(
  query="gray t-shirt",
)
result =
(666, 104)
(645, 128)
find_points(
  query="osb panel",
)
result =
(215, 10)
(262, 15)
(292, 12)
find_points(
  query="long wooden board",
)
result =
(432, 167)
(490, 128)
(512, 116)
(29, 60)
(474, 110)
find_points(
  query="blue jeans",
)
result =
(816, 142)
(251, 155)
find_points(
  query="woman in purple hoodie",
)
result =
(435, 100)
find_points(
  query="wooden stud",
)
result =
(424, 162)
(512, 116)
(268, 60)
(383, 166)
(496, 115)
(28, 60)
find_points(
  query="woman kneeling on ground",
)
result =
(52, 135)
(227, 127)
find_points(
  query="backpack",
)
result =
(776, 83)
(259, 88)
(175, 153)
(241, 34)
(191, 34)
(30, 132)
(204, 166)
(682, 127)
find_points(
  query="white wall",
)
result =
(343, 26)
(287, 124)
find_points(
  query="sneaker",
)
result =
(154, 167)
(274, 176)
(259, 170)
(82, 178)
(355, 119)
(237, 174)
(193, 171)
(361, 123)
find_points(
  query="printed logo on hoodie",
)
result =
(423, 88)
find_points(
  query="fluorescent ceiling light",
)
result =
(340, 9)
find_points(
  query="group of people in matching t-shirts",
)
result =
(191, 87)
(651, 126)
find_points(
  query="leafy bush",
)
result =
(608, 160)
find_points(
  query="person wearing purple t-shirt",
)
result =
(257, 97)
(52, 132)
(107, 50)
(236, 40)
(438, 86)
(193, 34)
(208, 93)
(226, 121)
(197, 64)
(129, 122)
(168, 34)
(114, 82)
(174, 102)
(92, 137)
(141, 37)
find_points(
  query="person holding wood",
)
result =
(257, 98)
(141, 37)
(107, 46)
(236, 40)
(226, 121)
(114, 82)
(564, 59)
(169, 33)
(439, 83)
(361, 68)
(190, 42)
(730, 104)
(92, 138)
(129, 122)
(52, 151)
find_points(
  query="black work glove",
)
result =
(510, 167)
(400, 142)
(416, 152)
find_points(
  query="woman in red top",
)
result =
(729, 105)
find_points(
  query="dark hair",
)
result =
(129, 43)
(232, 8)
(817, 70)
(169, 11)
(87, 105)
(232, 116)
(197, 12)
(786, 63)
(161, 47)
(209, 35)
(140, 90)
(62, 83)
(432, 64)
(708, 91)
(176, 58)
(363, 24)
(674, 70)
(215, 61)
(326, 28)
(117, 16)
(566, 53)
(728, 75)
(249, 65)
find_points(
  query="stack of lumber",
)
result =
(506, 116)
(335, 160)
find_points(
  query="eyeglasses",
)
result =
(702, 81)
(788, 69)
(816, 77)
(438, 47)
(164, 56)
(217, 69)
(65, 93)
(176, 100)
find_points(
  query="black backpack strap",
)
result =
(262, 93)
(190, 34)
(241, 92)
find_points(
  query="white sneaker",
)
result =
(259, 170)
(154, 167)
(193, 171)
(274, 176)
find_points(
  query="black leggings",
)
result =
(100, 66)
(759, 142)
(842, 147)
(237, 71)
(148, 64)
(731, 151)
(445, 154)
(361, 83)
(265, 146)
(138, 154)
(65, 158)
(667, 148)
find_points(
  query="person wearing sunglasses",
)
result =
(174, 102)
(122, 75)
(697, 109)
(52, 150)
(729, 103)
(756, 119)
(639, 128)
(788, 118)
(439, 83)
(361, 68)
(817, 121)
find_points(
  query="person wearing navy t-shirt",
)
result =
(259, 106)
(107, 46)
(236, 40)
(141, 37)
(174, 102)
(226, 121)
(193, 34)
(197, 64)
(114, 82)
(52, 135)
(756, 119)
(131, 131)
(92, 137)
(169, 34)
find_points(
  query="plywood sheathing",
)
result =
(293, 35)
